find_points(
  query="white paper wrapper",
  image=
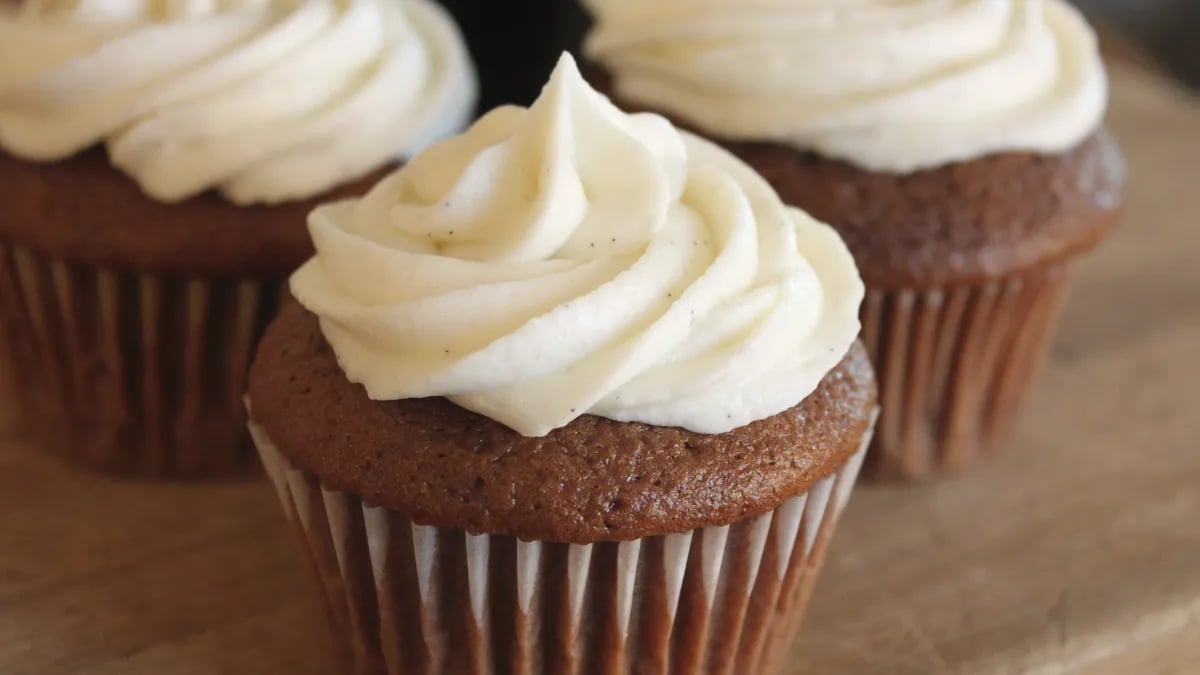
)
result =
(954, 366)
(407, 599)
(131, 372)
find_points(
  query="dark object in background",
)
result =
(1167, 29)
(515, 44)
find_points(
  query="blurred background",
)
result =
(1164, 31)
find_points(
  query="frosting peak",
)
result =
(569, 259)
(265, 100)
(889, 86)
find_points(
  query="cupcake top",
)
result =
(570, 259)
(887, 86)
(592, 480)
(264, 100)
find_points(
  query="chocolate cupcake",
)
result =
(957, 148)
(573, 392)
(156, 164)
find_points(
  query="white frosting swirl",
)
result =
(265, 100)
(569, 259)
(889, 85)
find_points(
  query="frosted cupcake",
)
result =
(156, 161)
(957, 147)
(573, 392)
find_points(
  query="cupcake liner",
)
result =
(955, 365)
(410, 599)
(9, 415)
(131, 372)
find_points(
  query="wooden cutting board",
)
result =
(1078, 552)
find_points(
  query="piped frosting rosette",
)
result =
(570, 259)
(265, 100)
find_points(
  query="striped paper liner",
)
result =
(130, 372)
(955, 365)
(409, 599)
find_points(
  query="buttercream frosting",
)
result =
(888, 85)
(570, 259)
(264, 100)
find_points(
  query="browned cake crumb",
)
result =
(593, 480)
(84, 210)
(980, 219)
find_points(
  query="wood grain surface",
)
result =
(1077, 552)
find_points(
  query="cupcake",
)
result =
(957, 148)
(156, 163)
(573, 392)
